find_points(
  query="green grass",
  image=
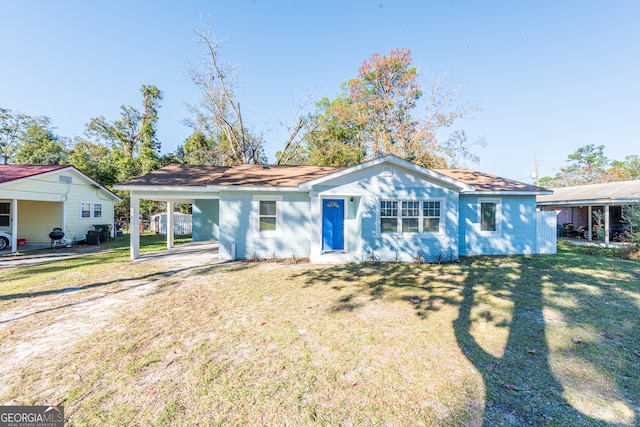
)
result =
(488, 341)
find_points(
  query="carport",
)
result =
(578, 203)
(188, 186)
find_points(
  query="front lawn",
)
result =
(540, 340)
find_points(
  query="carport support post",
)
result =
(134, 227)
(170, 225)
(606, 226)
(14, 225)
(590, 223)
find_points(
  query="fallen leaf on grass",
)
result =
(576, 340)
(531, 351)
(511, 387)
(636, 352)
(263, 323)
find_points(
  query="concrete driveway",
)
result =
(188, 255)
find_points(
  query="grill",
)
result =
(56, 235)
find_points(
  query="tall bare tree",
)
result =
(218, 115)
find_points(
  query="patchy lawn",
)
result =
(545, 340)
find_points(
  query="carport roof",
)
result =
(239, 175)
(620, 192)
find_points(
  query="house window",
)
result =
(490, 216)
(4, 214)
(86, 210)
(388, 216)
(413, 216)
(430, 217)
(410, 217)
(90, 210)
(267, 215)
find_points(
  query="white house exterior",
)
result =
(387, 208)
(35, 199)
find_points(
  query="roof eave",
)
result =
(508, 193)
(158, 188)
(245, 188)
(618, 201)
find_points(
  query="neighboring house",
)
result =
(35, 199)
(576, 205)
(387, 207)
(182, 223)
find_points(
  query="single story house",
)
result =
(387, 208)
(35, 199)
(575, 206)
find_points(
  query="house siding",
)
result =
(236, 213)
(517, 227)
(368, 188)
(206, 220)
(39, 225)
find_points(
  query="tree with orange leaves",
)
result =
(379, 114)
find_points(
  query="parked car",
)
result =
(5, 240)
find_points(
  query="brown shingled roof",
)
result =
(487, 182)
(240, 175)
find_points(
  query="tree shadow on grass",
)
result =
(521, 386)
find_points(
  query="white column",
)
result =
(606, 226)
(134, 227)
(316, 226)
(14, 225)
(590, 224)
(170, 225)
(64, 217)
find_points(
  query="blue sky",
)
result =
(550, 76)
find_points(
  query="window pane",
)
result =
(267, 207)
(388, 208)
(488, 216)
(4, 221)
(431, 209)
(4, 208)
(97, 210)
(410, 209)
(388, 225)
(410, 225)
(431, 225)
(86, 210)
(267, 223)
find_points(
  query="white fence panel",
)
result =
(182, 224)
(546, 232)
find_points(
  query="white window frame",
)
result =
(498, 203)
(256, 216)
(7, 215)
(82, 210)
(420, 217)
(92, 211)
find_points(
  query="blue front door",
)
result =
(332, 225)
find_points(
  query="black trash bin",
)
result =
(93, 237)
(103, 229)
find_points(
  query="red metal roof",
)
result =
(10, 173)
